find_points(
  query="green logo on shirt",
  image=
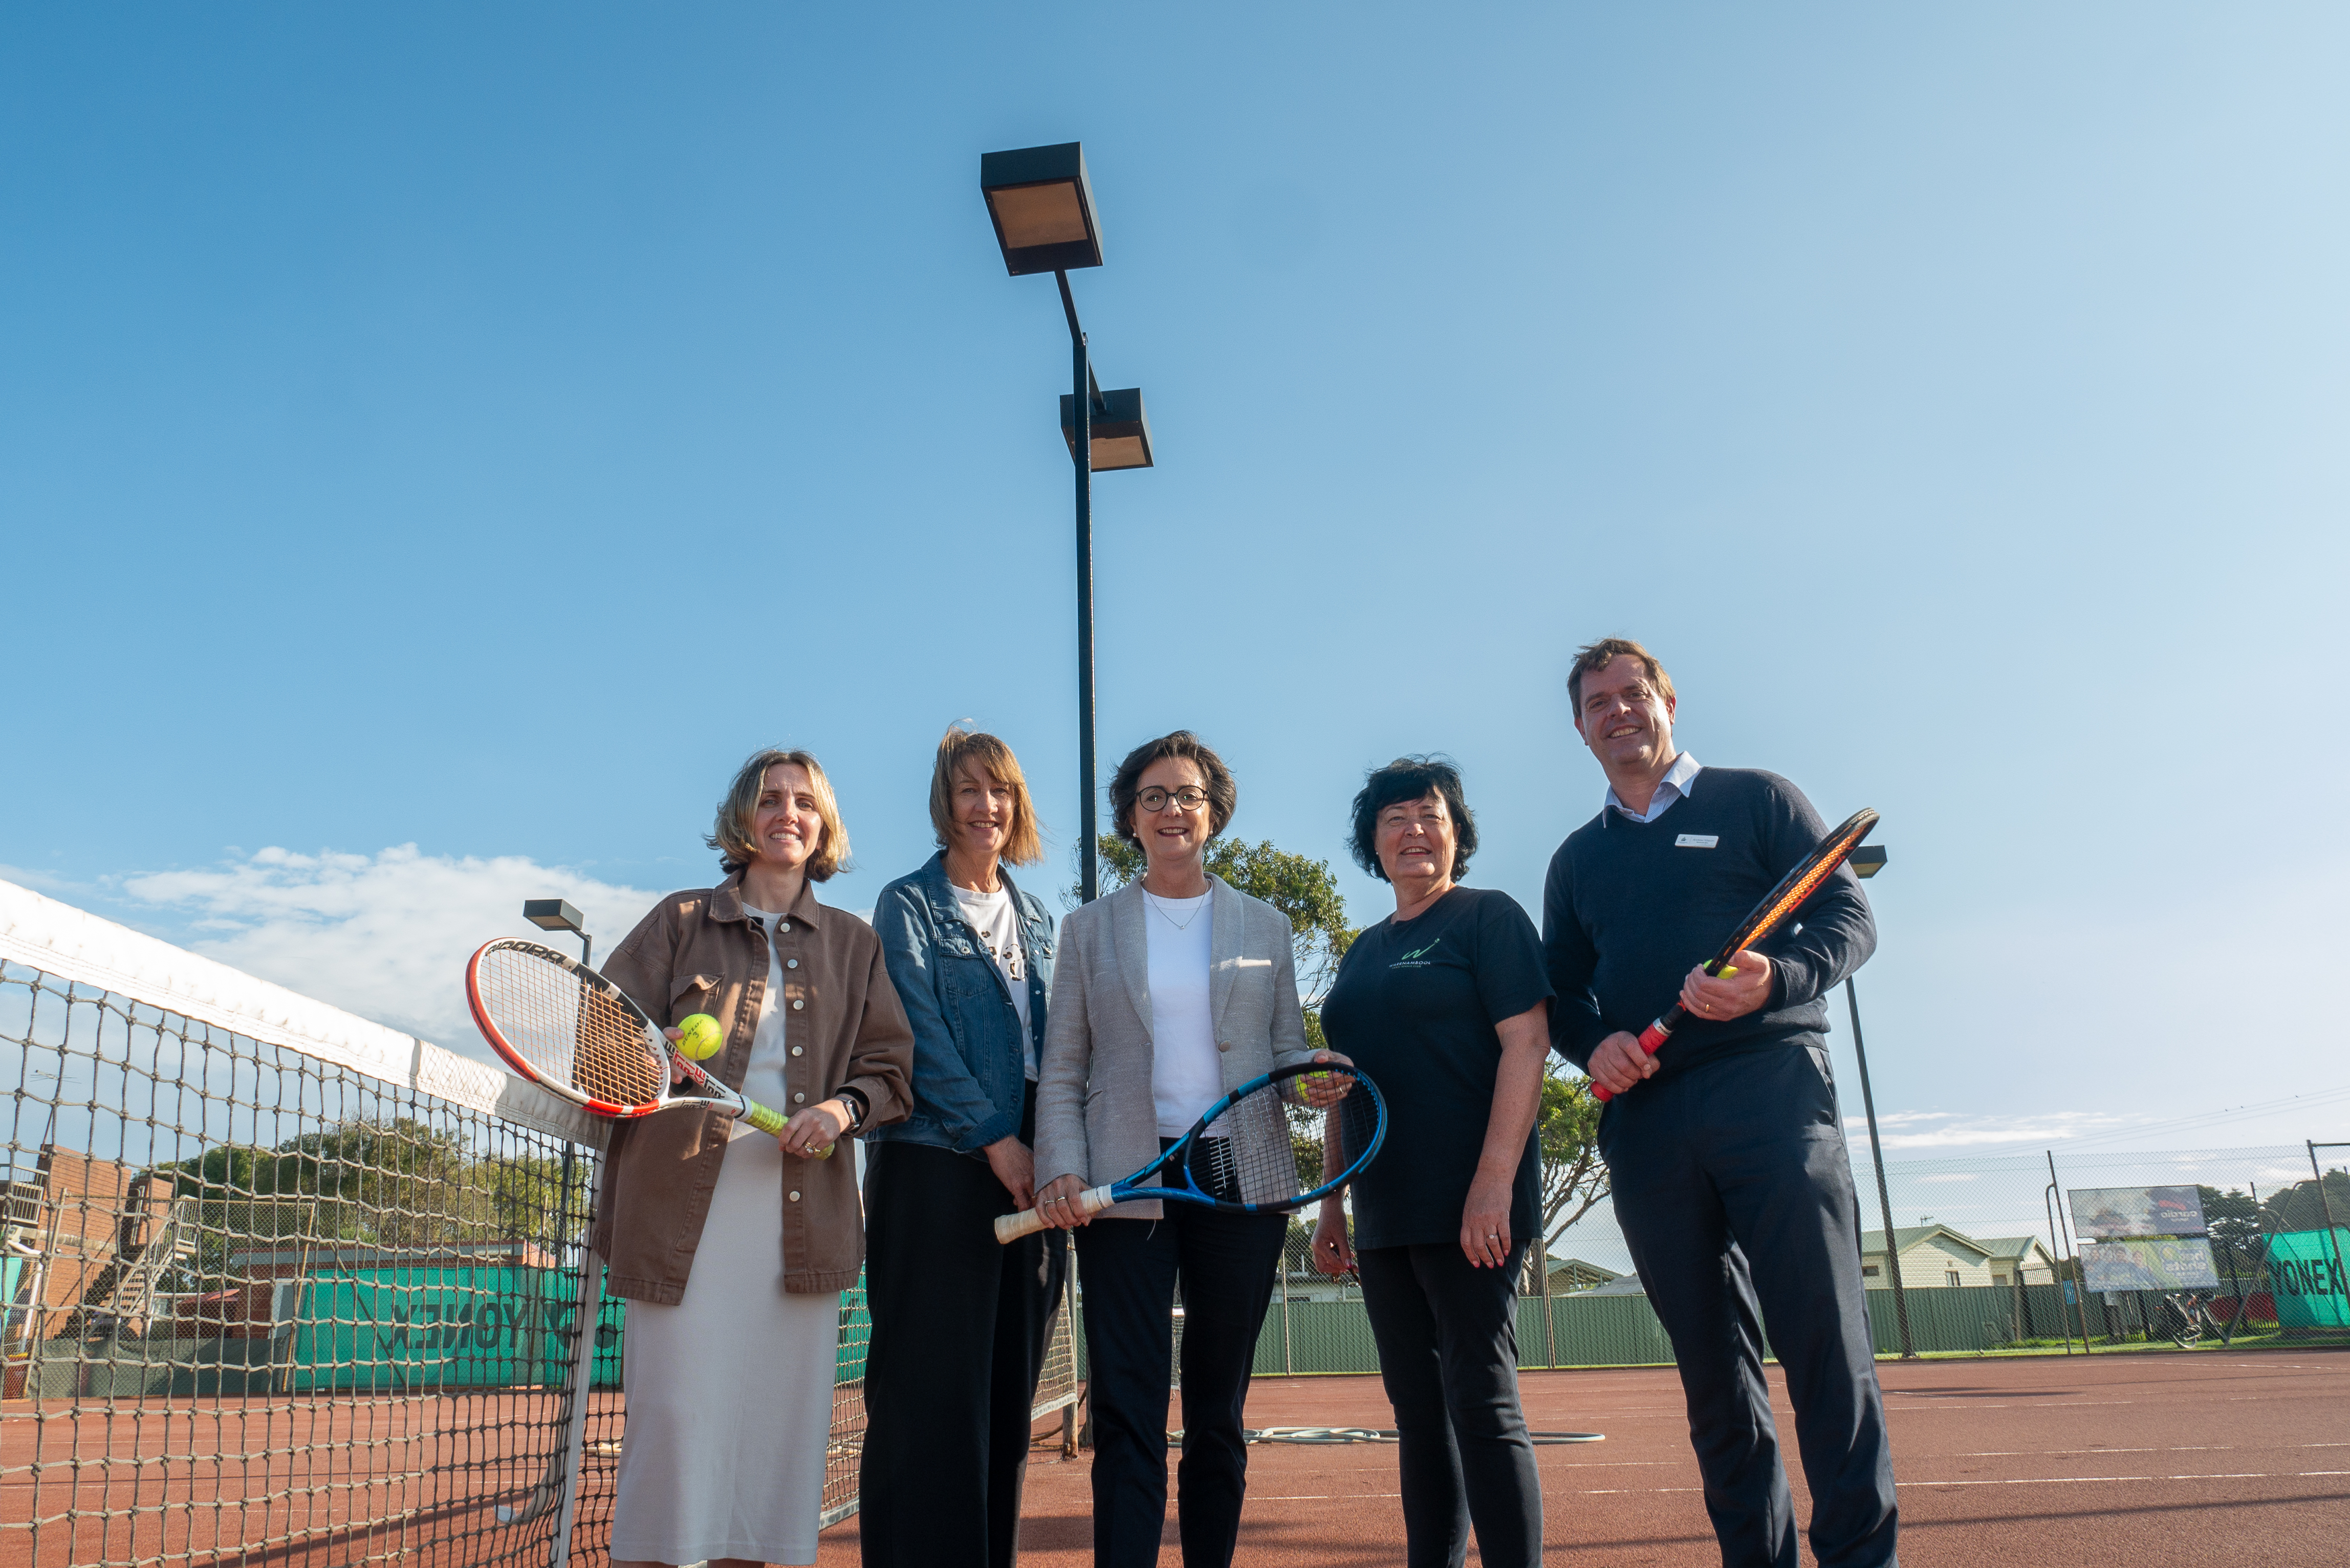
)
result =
(1411, 959)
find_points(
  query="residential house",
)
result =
(1569, 1274)
(1932, 1256)
(2018, 1260)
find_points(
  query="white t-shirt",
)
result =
(764, 1077)
(1187, 1075)
(997, 921)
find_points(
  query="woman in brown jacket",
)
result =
(734, 1246)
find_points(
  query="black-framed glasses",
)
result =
(1185, 799)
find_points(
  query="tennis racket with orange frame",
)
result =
(1766, 917)
(566, 1028)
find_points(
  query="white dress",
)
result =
(730, 1391)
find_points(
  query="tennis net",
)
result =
(285, 1286)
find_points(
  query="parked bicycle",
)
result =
(2186, 1317)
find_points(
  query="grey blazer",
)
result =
(1095, 1117)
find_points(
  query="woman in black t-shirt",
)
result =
(1445, 1005)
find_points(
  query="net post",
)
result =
(583, 1373)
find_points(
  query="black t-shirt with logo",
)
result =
(1414, 1006)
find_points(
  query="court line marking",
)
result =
(2020, 1481)
(2083, 1480)
(2182, 1448)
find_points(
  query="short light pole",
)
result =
(1042, 205)
(557, 915)
(560, 915)
(1866, 862)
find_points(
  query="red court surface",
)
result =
(2120, 1461)
(2117, 1461)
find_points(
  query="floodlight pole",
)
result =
(1884, 1195)
(1081, 396)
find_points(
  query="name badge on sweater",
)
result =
(1698, 841)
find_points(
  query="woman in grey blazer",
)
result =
(1167, 993)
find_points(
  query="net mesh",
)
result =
(264, 1306)
(568, 1027)
(276, 1300)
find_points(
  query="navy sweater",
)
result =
(1631, 906)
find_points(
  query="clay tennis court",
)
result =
(2131, 1461)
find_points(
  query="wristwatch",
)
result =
(856, 1108)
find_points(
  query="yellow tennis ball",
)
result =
(699, 1036)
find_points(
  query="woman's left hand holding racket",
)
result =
(810, 1134)
(570, 1031)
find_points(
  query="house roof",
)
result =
(2006, 1247)
(1578, 1268)
(1910, 1236)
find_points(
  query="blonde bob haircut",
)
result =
(732, 835)
(985, 755)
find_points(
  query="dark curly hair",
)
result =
(1223, 796)
(1413, 778)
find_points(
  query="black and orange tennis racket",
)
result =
(1765, 918)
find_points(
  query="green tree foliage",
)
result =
(1574, 1176)
(397, 1184)
(2233, 1220)
(2299, 1207)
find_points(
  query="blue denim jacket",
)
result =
(969, 1069)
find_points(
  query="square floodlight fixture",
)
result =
(1867, 860)
(1042, 208)
(1121, 434)
(554, 914)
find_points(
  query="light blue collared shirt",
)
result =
(1670, 788)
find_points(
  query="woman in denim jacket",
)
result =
(959, 1320)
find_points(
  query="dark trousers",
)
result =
(1130, 1269)
(959, 1332)
(1736, 1194)
(1448, 1338)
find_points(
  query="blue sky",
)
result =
(475, 430)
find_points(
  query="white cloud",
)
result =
(1991, 1135)
(385, 935)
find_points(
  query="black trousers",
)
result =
(1734, 1191)
(1447, 1339)
(1130, 1268)
(959, 1332)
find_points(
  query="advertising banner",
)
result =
(2149, 1263)
(403, 1328)
(398, 1328)
(2108, 1213)
(2305, 1273)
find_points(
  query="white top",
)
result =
(762, 1079)
(997, 921)
(1670, 788)
(1187, 1076)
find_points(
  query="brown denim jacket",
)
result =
(697, 953)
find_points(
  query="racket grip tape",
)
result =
(1652, 1040)
(1010, 1227)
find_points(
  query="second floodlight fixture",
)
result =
(1867, 860)
(1121, 435)
(1042, 208)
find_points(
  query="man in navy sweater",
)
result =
(1726, 1149)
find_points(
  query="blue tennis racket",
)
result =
(1239, 1157)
